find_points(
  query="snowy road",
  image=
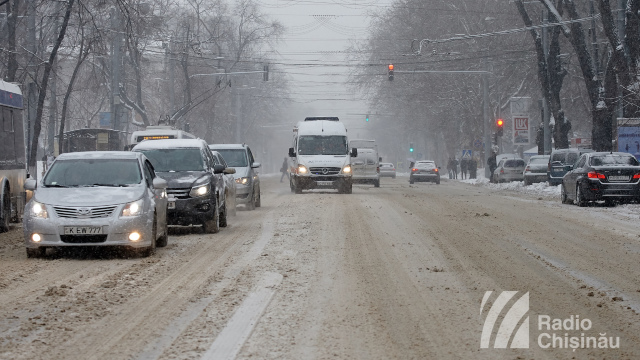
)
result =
(398, 272)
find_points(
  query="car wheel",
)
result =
(164, 239)
(348, 189)
(212, 226)
(527, 182)
(291, 186)
(258, 200)
(580, 201)
(411, 180)
(376, 183)
(438, 182)
(609, 203)
(5, 212)
(296, 189)
(394, 176)
(223, 215)
(149, 250)
(563, 195)
(251, 203)
(36, 253)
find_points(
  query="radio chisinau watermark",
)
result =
(506, 326)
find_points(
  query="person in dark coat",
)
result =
(284, 168)
(473, 168)
(455, 168)
(464, 163)
(493, 164)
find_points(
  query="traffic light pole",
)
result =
(485, 113)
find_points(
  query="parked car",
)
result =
(106, 198)
(509, 169)
(365, 167)
(240, 157)
(388, 170)
(536, 169)
(197, 194)
(558, 162)
(602, 176)
(425, 170)
(229, 180)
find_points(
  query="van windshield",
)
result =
(322, 145)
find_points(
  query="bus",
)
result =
(157, 132)
(13, 165)
(92, 140)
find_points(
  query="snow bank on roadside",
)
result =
(537, 189)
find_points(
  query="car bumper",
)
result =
(322, 182)
(424, 177)
(535, 177)
(387, 173)
(365, 179)
(555, 179)
(600, 191)
(243, 194)
(191, 211)
(115, 232)
(510, 177)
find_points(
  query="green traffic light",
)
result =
(410, 149)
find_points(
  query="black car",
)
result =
(608, 176)
(196, 184)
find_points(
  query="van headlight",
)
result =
(39, 210)
(347, 169)
(132, 209)
(242, 180)
(302, 169)
(198, 191)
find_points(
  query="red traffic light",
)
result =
(499, 122)
(391, 67)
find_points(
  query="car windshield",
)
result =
(234, 157)
(322, 145)
(538, 161)
(93, 172)
(559, 156)
(514, 163)
(181, 159)
(426, 165)
(613, 159)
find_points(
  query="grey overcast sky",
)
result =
(311, 52)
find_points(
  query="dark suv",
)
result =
(196, 185)
(558, 160)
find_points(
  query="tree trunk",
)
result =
(37, 126)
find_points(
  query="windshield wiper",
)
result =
(109, 185)
(56, 185)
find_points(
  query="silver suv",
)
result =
(240, 157)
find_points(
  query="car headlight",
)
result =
(347, 169)
(302, 169)
(242, 180)
(39, 210)
(132, 208)
(201, 190)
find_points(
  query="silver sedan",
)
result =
(106, 198)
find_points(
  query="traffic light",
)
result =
(410, 147)
(390, 72)
(499, 127)
(367, 118)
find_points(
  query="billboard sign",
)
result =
(521, 133)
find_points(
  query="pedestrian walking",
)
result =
(450, 168)
(464, 163)
(284, 168)
(493, 164)
(473, 168)
(455, 168)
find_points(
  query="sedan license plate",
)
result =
(83, 230)
(171, 205)
(325, 183)
(619, 178)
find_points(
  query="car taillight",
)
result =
(436, 170)
(595, 175)
(636, 176)
(414, 169)
(501, 171)
(526, 169)
(378, 169)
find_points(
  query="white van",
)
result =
(366, 166)
(320, 156)
(158, 132)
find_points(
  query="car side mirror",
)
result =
(255, 165)
(292, 153)
(30, 184)
(218, 169)
(160, 183)
(354, 152)
(229, 171)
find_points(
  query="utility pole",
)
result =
(172, 80)
(622, 4)
(545, 103)
(485, 121)
(115, 68)
(32, 92)
(53, 103)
